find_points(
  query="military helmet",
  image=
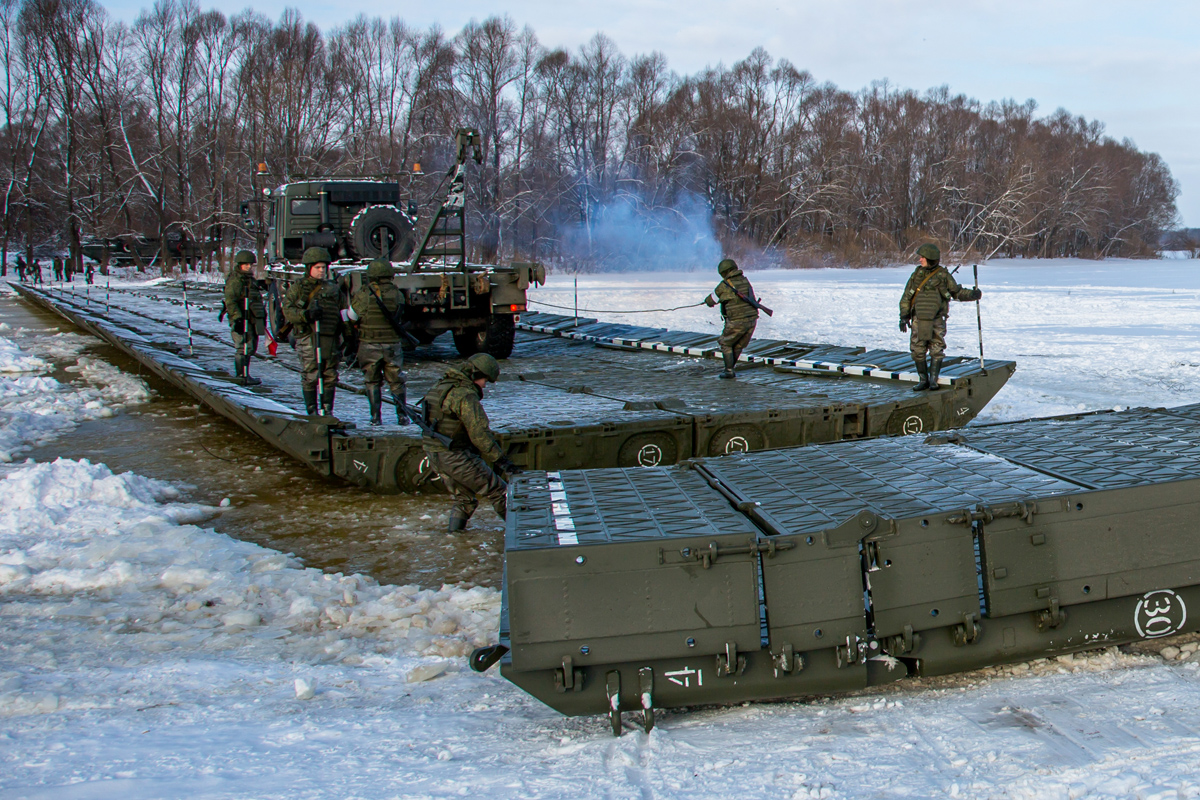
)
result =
(380, 268)
(930, 253)
(244, 257)
(482, 365)
(315, 255)
(727, 267)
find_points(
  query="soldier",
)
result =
(313, 306)
(739, 307)
(925, 306)
(58, 268)
(453, 410)
(247, 316)
(20, 269)
(376, 309)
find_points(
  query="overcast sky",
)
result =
(1133, 66)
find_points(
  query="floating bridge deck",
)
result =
(575, 393)
(829, 568)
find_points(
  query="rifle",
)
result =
(417, 415)
(398, 327)
(752, 300)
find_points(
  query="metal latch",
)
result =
(729, 662)
(706, 556)
(1025, 509)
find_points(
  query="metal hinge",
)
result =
(568, 677)
(706, 556)
(904, 642)
(1050, 617)
(787, 661)
(729, 662)
(967, 631)
(853, 651)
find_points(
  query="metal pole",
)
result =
(320, 365)
(106, 287)
(576, 301)
(979, 320)
(246, 332)
(187, 312)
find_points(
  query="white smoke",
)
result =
(625, 235)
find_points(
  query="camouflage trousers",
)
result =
(927, 335)
(308, 362)
(737, 335)
(380, 360)
(244, 343)
(467, 475)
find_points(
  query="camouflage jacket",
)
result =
(305, 291)
(733, 307)
(455, 411)
(373, 326)
(238, 287)
(937, 288)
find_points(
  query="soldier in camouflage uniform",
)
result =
(313, 306)
(247, 317)
(380, 353)
(735, 294)
(453, 409)
(924, 306)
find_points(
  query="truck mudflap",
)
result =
(836, 567)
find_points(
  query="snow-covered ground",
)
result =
(143, 655)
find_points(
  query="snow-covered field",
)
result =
(143, 655)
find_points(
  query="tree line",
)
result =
(157, 127)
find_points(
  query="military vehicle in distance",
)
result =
(135, 250)
(830, 568)
(361, 220)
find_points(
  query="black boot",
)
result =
(935, 368)
(246, 379)
(923, 371)
(456, 523)
(327, 401)
(401, 407)
(730, 364)
(374, 399)
(310, 401)
(239, 369)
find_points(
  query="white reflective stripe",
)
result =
(558, 496)
(554, 476)
(555, 486)
(560, 509)
(564, 524)
(567, 537)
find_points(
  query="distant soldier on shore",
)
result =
(247, 316)
(739, 308)
(20, 269)
(58, 268)
(375, 307)
(924, 307)
(313, 306)
(452, 409)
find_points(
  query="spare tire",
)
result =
(381, 232)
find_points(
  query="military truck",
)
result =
(360, 220)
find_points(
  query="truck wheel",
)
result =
(495, 340)
(501, 330)
(381, 232)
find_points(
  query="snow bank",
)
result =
(122, 545)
